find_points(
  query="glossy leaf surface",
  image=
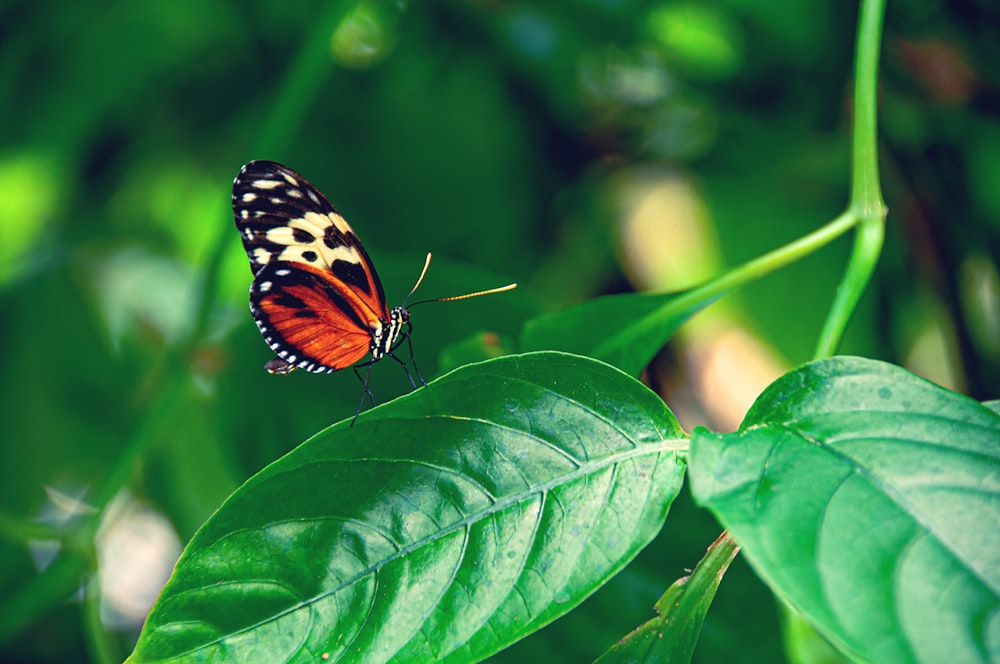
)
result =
(444, 525)
(870, 500)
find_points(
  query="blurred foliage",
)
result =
(499, 136)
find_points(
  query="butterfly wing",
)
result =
(315, 296)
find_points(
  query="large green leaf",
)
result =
(623, 330)
(870, 500)
(446, 524)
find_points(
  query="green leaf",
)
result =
(671, 636)
(446, 524)
(869, 499)
(623, 330)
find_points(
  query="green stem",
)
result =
(764, 265)
(866, 203)
(866, 209)
(866, 192)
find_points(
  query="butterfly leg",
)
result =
(366, 392)
(406, 369)
(413, 361)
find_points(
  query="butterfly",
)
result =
(316, 296)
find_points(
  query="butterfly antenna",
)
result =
(453, 297)
(427, 264)
(468, 295)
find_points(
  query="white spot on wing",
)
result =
(265, 184)
(265, 286)
(249, 196)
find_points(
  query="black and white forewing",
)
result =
(283, 218)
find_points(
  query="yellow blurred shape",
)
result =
(666, 236)
(669, 244)
(729, 368)
(934, 355)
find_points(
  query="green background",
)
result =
(496, 135)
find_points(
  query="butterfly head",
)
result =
(400, 314)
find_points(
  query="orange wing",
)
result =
(315, 296)
(310, 321)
